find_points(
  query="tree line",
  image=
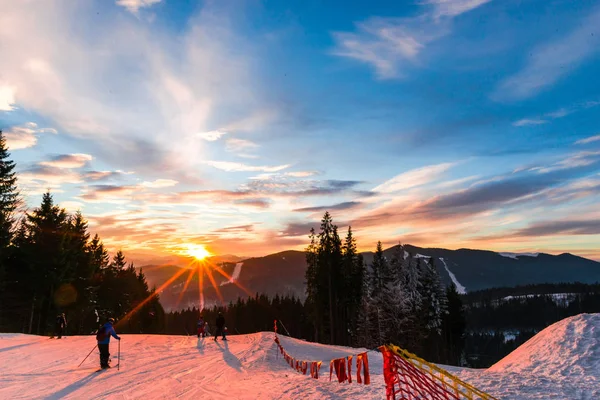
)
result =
(501, 319)
(50, 264)
(254, 314)
(400, 300)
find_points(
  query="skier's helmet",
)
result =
(111, 320)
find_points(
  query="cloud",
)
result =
(453, 8)
(239, 145)
(299, 228)
(258, 203)
(108, 193)
(588, 140)
(391, 45)
(239, 228)
(530, 122)
(49, 174)
(134, 6)
(160, 183)
(68, 161)
(212, 136)
(103, 175)
(25, 136)
(581, 159)
(301, 174)
(559, 227)
(560, 113)
(147, 117)
(239, 167)
(553, 60)
(335, 207)
(281, 186)
(7, 98)
(413, 178)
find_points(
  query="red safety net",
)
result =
(404, 381)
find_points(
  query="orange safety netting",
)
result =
(409, 377)
(339, 366)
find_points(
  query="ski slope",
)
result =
(561, 362)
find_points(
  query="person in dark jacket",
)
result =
(103, 337)
(200, 326)
(61, 324)
(220, 330)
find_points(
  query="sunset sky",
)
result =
(236, 124)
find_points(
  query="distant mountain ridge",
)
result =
(283, 273)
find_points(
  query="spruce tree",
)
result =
(8, 205)
(381, 316)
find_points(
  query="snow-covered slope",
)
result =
(159, 367)
(561, 362)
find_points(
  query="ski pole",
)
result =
(86, 356)
(119, 364)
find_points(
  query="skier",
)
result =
(61, 324)
(103, 338)
(220, 330)
(201, 324)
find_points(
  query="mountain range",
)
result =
(283, 273)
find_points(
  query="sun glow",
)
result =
(197, 251)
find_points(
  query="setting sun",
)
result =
(198, 251)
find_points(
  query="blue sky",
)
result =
(465, 123)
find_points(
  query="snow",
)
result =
(459, 288)
(558, 298)
(235, 275)
(516, 255)
(422, 256)
(561, 362)
(167, 367)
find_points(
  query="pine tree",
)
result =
(47, 227)
(454, 326)
(8, 205)
(351, 291)
(381, 316)
(8, 198)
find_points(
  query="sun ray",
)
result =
(187, 283)
(156, 292)
(201, 288)
(230, 278)
(214, 284)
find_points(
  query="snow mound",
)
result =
(570, 347)
(516, 256)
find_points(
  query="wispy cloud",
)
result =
(212, 136)
(68, 161)
(413, 178)
(553, 60)
(23, 137)
(160, 183)
(560, 113)
(7, 98)
(335, 207)
(234, 145)
(239, 167)
(588, 140)
(135, 5)
(453, 8)
(530, 122)
(391, 45)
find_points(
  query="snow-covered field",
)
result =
(561, 362)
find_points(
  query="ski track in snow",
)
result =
(561, 362)
(459, 288)
(235, 275)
